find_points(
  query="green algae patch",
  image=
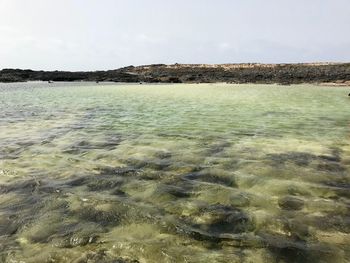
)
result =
(174, 173)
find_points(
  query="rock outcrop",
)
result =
(335, 73)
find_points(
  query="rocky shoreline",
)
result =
(285, 74)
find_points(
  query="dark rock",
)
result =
(291, 203)
(329, 163)
(210, 177)
(331, 167)
(227, 219)
(330, 158)
(122, 171)
(74, 240)
(240, 200)
(9, 226)
(158, 165)
(298, 158)
(220, 223)
(286, 250)
(196, 233)
(341, 188)
(176, 191)
(150, 176)
(289, 250)
(119, 192)
(77, 182)
(297, 229)
(102, 257)
(30, 186)
(25, 186)
(330, 222)
(103, 218)
(100, 183)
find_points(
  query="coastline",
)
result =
(102, 83)
(335, 84)
(325, 74)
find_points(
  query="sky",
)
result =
(107, 34)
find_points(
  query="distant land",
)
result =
(331, 73)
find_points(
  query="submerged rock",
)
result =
(340, 187)
(119, 192)
(23, 187)
(212, 177)
(298, 158)
(100, 183)
(331, 167)
(78, 147)
(329, 222)
(77, 181)
(84, 146)
(176, 191)
(8, 226)
(109, 178)
(225, 219)
(290, 250)
(331, 158)
(328, 163)
(31, 186)
(218, 148)
(216, 223)
(102, 217)
(297, 229)
(155, 164)
(74, 240)
(121, 171)
(291, 203)
(163, 155)
(102, 257)
(240, 200)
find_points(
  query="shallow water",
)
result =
(174, 173)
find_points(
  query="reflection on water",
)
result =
(174, 173)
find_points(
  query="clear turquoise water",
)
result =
(174, 173)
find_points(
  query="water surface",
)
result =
(174, 173)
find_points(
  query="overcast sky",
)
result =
(107, 34)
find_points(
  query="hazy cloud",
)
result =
(105, 34)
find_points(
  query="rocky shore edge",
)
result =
(332, 74)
